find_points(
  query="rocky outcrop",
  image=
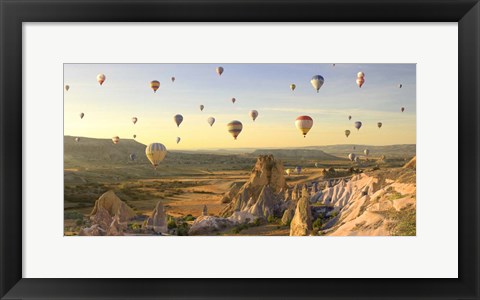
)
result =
(205, 225)
(205, 211)
(114, 206)
(288, 216)
(101, 218)
(301, 224)
(230, 194)
(412, 164)
(158, 221)
(262, 193)
(94, 230)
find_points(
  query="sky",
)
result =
(126, 93)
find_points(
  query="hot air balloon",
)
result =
(354, 147)
(178, 139)
(235, 127)
(304, 124)
(134, 136)
(317, 82)
(77, 139)
(349, 118)
(347, 133)
(202, 107)
(403, 109)
(134, 120)
(173, 79)
(101, 78)
(316, 165)
(360, 81)
(210, 121)
(115, 139)
(351, 156)
(253, 114)
(357, 159)
(82, 115)
(233, 100)
(358, 124)
(154, 84)
(178, 119)
(67, 87)
(366, 152)
(400, 86)
(360, 74)
(379, 124)
(292, 87)
(288, 171)
(155, 153)
(298, 169)
(133, 156)
(219, 70)
(333, 65)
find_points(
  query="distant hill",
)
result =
(390, 151)
(317, 155)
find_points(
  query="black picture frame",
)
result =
(14, 12)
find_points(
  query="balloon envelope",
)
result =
(360, 74)
(304, 124)
(349, 117)
(155, 153)
(178, 139)
(235, 127)
(210, 121)
(292, 87)
(178, 119)
(173, 79)
(347, 133)
(366, 152)
(202, 107)
(233, 100)
(360, 81)
(82, 115)
(134, 136)
(67, 87)
(115, 139)
(298, 169)
(253, 114)
(358, 125)
(101, 78)
(155, 84)
(77, 139)
(379, 124)
(133, 156)
(351, 156)
(403, 109)
(219, 70)
(134, 120)
(317, 82)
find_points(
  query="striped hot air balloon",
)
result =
(101, 78)
(351, 156)
(155, 153)
(178, 119)
(304, 124)
(235, 127)
(154, 84)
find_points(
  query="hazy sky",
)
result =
(265, 87)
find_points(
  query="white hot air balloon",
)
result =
(211, 121)
(317, 82)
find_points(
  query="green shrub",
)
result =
(271, 219)
(79, 222)
(171, 223)
(189, 218)
(317, 224)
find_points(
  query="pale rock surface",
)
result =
(158, 221)
(114, 206)
(301, 224)
(204, 225)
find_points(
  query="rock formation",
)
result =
(158, 221)
(263, 193)
(412, 164)
(205, 211)
(301, 224)
(205, 225)
(114, 206)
